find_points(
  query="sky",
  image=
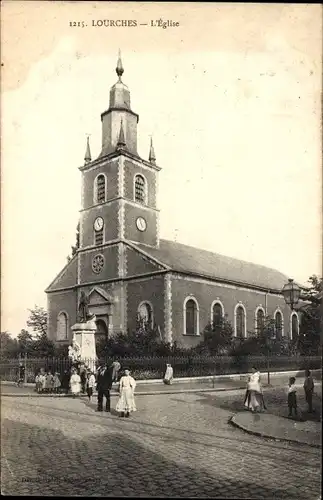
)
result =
(232, 98)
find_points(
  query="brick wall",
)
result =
(148, 237)
(110, 270)
(61, 302)
(109, 213)
(150, 289)
(110, 169)
(205, 293)
(130, 170)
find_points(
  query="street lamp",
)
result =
(291, 292)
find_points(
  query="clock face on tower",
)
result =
(141, 224)
(98, 224)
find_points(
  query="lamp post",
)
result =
(291, 292)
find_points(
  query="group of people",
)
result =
(254, 399)
(81, 379)
(47, 382)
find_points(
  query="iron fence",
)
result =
(144, 368)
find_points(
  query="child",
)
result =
(56, 382)
(75, 383)
(90, 385)
(126, 402)
(49, 381)
(42, 380)
(292, 401)
(309, 388)
(38, 383)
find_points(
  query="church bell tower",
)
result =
(119, 188)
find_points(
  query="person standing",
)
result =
(254, 398)
(42, 380)
(56, 383)
(105, 377)
(90, 385)
(65, 385)
(126, 403)
(309, 389)
(291, 398)
(75, 383)
(168, 377)
(21, 375)
(83, 375)
(49, 381)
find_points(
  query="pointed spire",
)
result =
(121, 141)
(87, 157)
(152, 156)
(119, 68)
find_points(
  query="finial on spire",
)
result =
(87, 157)
(152, 156)
(119, 68)
(121, 140)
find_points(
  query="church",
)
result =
(125, 269)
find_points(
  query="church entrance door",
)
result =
(101, 334)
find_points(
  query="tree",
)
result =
(43, 347)
(309, 339)
(25, 341)
(217, 337)
(38, 320)
(143, 340)
(9, 347)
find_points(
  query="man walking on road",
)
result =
(105, 377)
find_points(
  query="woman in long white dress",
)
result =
(168, 377)
(253, 399)
(75, 383)
(126, 403)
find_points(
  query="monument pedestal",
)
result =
(84, 335)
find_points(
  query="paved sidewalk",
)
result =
(158, 387)
(141, 390)
(279, 428)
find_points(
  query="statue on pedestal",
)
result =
(83, 309)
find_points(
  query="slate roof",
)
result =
(184, 258)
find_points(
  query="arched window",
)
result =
(145, 313)
(278, 325)
(62, 327)
(260, 321)
(294, 325)
(191, 317)
(240, 321)
(140, 189)
(217, 314)
(100, 185)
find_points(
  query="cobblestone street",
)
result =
(178, 445)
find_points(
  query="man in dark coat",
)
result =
(106, 375)
(21, 375)
(83, 375)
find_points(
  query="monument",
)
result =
(83, 344)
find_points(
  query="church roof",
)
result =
(184, 258)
